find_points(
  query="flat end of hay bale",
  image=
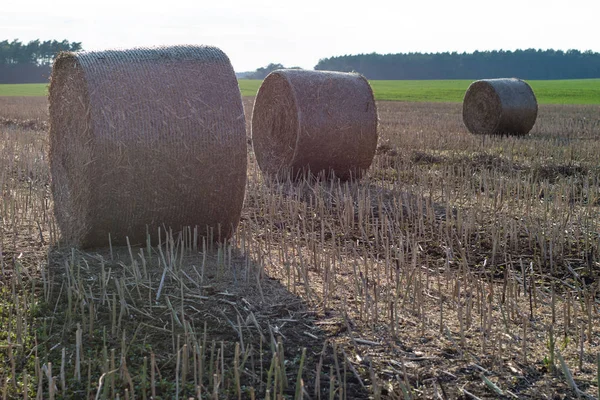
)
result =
(499, 106)
(146, 138)
(275, 124)
(314, 122)
(70, 150)
(482, 108)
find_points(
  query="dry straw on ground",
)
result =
(500, 106)
(314, 121)
(146, 138)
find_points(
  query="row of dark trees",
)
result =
(30, 62)
(261, 73)
(526, 64)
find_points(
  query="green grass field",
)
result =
(25, 89)
(576, 91)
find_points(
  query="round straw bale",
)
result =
(146, 138)
(500, 106)
(314, 121)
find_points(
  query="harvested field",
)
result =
(21, 109)
(460, 266)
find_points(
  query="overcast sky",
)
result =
(299, 33)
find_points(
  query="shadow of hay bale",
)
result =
(171, 296)
(144, 138)
(309, 122)
(32, 124)
(500, 107)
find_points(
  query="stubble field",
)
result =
(461, 266)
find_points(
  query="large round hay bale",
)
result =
(314, 121)
(500, 106)
(146, 138)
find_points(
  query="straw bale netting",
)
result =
(500, 106)
(146, 138)
(314, 121)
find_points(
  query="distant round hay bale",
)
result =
(500, 106)
(146, 138)
(314, 121)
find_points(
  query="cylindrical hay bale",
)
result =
(314, 121)
(500, 106)
(146, 138)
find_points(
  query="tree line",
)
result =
(261, 73)
(30, 62)
(526, 64)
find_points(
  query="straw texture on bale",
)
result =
(314, 121)
(146, 138)
(500, 106)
